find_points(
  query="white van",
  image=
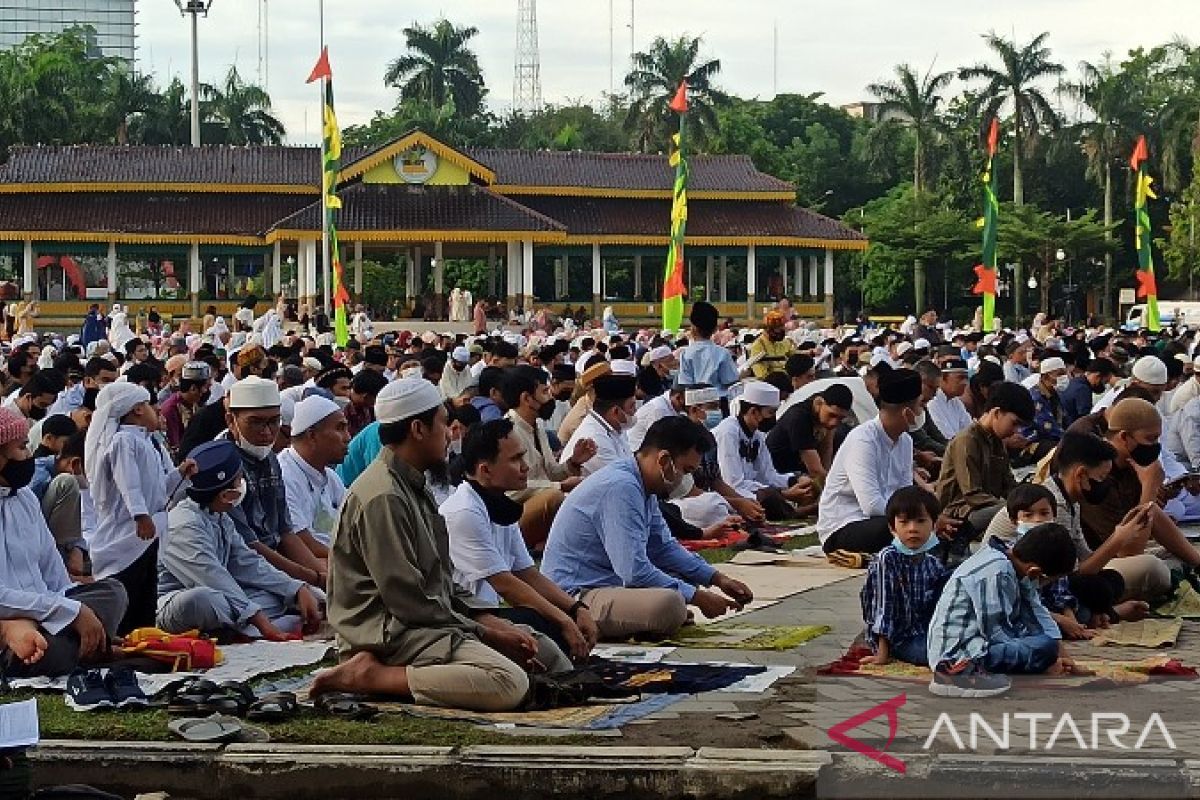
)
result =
(1170, 312)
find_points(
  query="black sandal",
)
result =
(273, 707)
(345, 706)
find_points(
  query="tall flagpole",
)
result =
(324, 201)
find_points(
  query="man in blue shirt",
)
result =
(703, 361)
(1081, 390)
(610, 547)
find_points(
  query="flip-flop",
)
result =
(273, 707)
(849, 559)
(345, 706)
(216, 728)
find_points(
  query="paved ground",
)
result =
(798, 712)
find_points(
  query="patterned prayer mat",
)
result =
(1150, 633)
(1185, 603)
(747, 637)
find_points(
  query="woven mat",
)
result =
(1185, 603)
(594, 717)
(1152, 633)
(748, 637)
(774, 582)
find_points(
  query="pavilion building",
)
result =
(181, 228)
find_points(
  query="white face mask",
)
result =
(255, 451)
(1061, 383)
(1024, 528)
(918, 421)
(241, 495)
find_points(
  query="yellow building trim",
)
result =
(199, 188)
(408, 141)
(634, 194)
(720, 241)
(470, 237)
(131, 238)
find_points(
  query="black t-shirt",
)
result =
(792, 434)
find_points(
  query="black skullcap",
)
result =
(899, 386)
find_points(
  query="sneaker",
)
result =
(88, 691)
(123, 688)
(965, 679)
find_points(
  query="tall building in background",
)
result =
(114, 21)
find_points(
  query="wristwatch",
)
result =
(573, 611)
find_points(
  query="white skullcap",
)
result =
(1150, 370)
(993, 359)
(429, 337)
(623, 366)
(988, 338)
(311, 411)
(903, 348)
(461, 354)
(253, 392)
(312, 363)
(411, 372)
(699, 397)
(1051, 364)
(405, 399)
(660, 352)
(921, 344)
(760, 393)
(287, 409)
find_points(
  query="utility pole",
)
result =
(195, 8)
(324, 194)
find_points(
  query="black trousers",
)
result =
(679, 527)
(106, 599)
(527, 616)
(140, 580)
(1097, 593)
(865, 536)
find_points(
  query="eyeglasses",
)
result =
(261, 425)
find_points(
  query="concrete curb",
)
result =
(322, 772)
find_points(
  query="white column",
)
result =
(798, 281)
(597, 279)
(637, 276)
(709, 262)
(277, 268)
(439, 270)
(27, 282)
(512, 262)
(724, 279)
(828, 282)
(358, 270)
(409, 280)
(491, 271)
(112, 272)
(812, 277)
(526, 273)
(561, 269)
(314, 286)
(783, 272)
(751, 280)
(194, 273)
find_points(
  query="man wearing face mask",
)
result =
(1047, 428)
(37, 394)
(254, 418)
(654, 378)
(608, 422)
(745, 459)
(195, 382)
(320, 438)
(97, 373)
(456, 377)
(610, 547)
(208, 578)
(50, 625)
(771, 349)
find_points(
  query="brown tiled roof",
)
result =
(729, 173)
(601, 216)
(395, 207)
(147, 213)
(211, 164)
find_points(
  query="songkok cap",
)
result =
(1150, 370)
(250, 355)
(593, 372)
(461, 354)
(623, 366)
(614, 387)
(1051, 364)
(406, 398)
(660, 352)
(175, 363)
(1133, 414)
(218, 465)
(195, 371)
(13, 426)
(760, 393)
(253, 392)
(313, 364)
(310, 411)
(954, 365)
(899, 386)
(699, 397)
(563, 372)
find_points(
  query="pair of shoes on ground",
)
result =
(966, 679)
(95, 689)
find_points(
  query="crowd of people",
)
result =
(469, 512)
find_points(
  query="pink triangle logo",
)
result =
(889, 707)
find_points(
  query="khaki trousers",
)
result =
(538, 513)
(1147, 577)
(477, 678)
(621, 613)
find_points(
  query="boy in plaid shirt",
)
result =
(904, 581)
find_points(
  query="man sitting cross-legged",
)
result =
(490, 558)
(610, 546)
(403, 627)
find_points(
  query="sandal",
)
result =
(190, 696)
(849, 559)
(273, 707)
(345, 706)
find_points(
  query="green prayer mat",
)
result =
(1184, 604)
(748, 637)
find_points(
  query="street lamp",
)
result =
(1032, 283)
(195, 8)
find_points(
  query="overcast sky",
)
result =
(836, 48)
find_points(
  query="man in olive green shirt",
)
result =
(403, 627)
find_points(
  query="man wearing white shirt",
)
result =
(745, 460)
(609, 419)
(946, 408)
(314, 492)
(457, 377)
(1187, 391)
(874, 461)
(1149, 372)
(667, 404)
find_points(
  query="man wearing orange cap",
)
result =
(770, 351)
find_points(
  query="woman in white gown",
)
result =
(455, 303)
(269, 327)
(118, 330)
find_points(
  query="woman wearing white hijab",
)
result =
(131, 480)
(269, 327)
(118, 330)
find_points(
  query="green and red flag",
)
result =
(673, 287)
(1147, 287)
(986, 269)
(333, 154)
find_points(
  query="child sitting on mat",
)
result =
(904, 581)
(990, 621)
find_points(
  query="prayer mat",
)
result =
(669, 677)
(773, 582)
(602, 716)
(1185, 603)
(1150, 633)
(755, 605)
(747, 637)
(792, 558)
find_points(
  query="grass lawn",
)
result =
(720, 555)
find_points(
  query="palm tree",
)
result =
(128, 94)
(917, 101)
(653, 81)
(241, 112)
(439, 67)
(1106, 138)
(1014, 84)
(166, 120)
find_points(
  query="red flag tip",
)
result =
(321, 70)
(1140, 153)
(679, 103)
(993, 138)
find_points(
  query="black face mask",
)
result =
(37, 413)
(547, 409)
(1096, 491)
(564, 396)
(1144, 454)
(89, 397)
(766, 425)
(501, 510)
(18, 474)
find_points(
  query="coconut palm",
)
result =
(166, 120)
(239, 112)
(653, 81)
(128, 94)
(439, 67)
